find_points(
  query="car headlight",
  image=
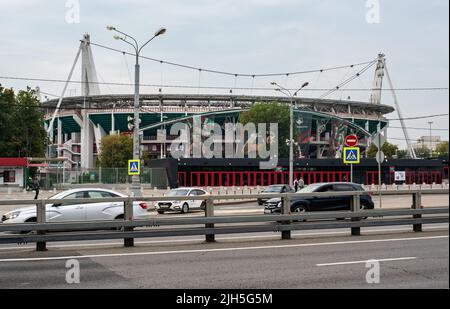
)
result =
(12, 215)
(176, 203)
(280, 204)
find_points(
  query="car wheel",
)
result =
(31, 220)
(299, 210)
(203, 206)
(121, 228)
(364, 206)
(160, 212)
(185, 208)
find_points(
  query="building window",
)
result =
(9, 176)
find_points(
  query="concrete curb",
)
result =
(231, 202)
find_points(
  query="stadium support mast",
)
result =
(375, 97)
(411, 151)
(89, 87)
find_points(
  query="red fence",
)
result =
(253, 179)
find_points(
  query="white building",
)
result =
(428, 142)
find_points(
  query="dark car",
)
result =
(275, 189)
(330, 203)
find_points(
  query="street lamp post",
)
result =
(288, 93)
(135, 180)
(431, 139)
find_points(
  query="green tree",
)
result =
(442, 149)
(423, 152)
(22, 133)
(402, 154)
(389, 150)
(116, 150)
(271, 113)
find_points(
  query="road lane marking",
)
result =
(112, 255)
(365, 261)
(200, 238)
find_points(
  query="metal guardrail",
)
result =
(284, 223)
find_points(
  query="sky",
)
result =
(40, 39)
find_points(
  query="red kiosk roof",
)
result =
(13, 162)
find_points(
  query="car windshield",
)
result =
(276, 189)
(309, 189)
(58, 196)
(178, 193)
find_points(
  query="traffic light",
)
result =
(130, 121)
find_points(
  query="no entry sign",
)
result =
(351, 141)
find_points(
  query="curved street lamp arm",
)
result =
(146, 43)
(136, 46)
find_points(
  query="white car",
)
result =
(78, 212)
(181, 206)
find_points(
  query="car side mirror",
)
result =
(56, 205)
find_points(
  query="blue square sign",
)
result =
(134, 167)
(352, 155)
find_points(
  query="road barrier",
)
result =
(211, 225)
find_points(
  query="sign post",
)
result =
(351, 141)
(379, 140)
(352, 155)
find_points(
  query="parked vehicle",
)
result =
(275, 189)
(62, 212)
(181, 206)
(301, 204)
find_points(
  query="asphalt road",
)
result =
(312, 259)
(309, 260)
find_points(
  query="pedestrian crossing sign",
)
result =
(134, 167)
(352, 155)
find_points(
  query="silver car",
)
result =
(62, 212)
(181, 206)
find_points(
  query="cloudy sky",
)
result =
(40, 39)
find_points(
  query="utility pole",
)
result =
(431, 139)
(288, 93)
(135, 180)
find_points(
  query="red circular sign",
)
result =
(351, 140)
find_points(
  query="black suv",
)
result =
(330, 203)
(275, 189)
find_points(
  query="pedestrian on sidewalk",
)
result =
(35, 187)
(301, 183)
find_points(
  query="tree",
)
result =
(423, 152)
(22, 132)
(442, 149)
(271, 113)
(389, 150)
(402, 154)
(116, 150)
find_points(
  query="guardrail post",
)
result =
(355, 207)
(286, 210)
(209, 212)
(417, 204)
(128, 215)
(41, 218)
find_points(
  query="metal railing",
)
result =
(284, 223)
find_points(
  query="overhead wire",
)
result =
(50, 80)
(228, 73)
